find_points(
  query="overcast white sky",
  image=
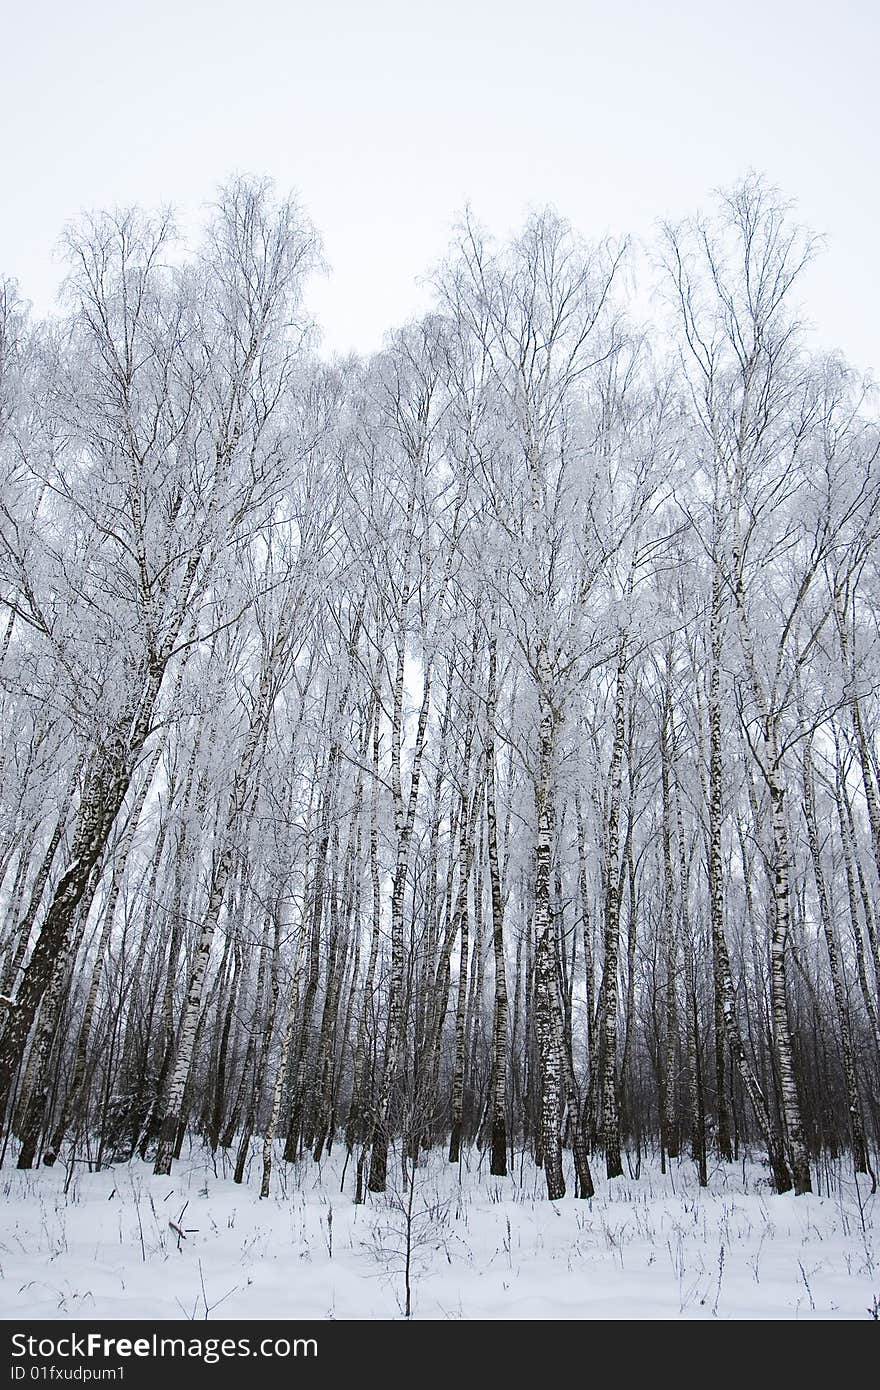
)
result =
(387, 116)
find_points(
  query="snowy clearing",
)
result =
(652, 1247)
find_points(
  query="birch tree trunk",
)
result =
(498, 1166)
(669, 1119)
(546, 1000)
(404, 819)
(791, 1111)
(106, 784)
(465, 855)
(721, 967)
(837, 981)
(692, 1020)
(610, 1113)
(238, 798)
(122, 851)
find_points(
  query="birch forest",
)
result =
(470, 748)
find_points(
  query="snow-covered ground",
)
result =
(651, 1247)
